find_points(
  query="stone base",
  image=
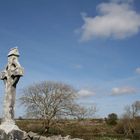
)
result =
(13, 135)
(10, 131)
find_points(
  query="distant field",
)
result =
(86, 129)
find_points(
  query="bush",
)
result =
(112, 119)
(129, 128)
(120, 128)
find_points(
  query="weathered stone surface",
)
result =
(8, 127)
(10, 75)
(13, 135)
(34, 136)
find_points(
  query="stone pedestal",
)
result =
(13, 135)
(10, 132)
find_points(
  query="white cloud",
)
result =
(138, 70)
(123, 90)
(85, 93)
(116, 19)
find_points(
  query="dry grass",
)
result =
(86, 129)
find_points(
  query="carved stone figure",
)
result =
(10, 76)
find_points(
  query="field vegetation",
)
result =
(88, 129)
(53, 110)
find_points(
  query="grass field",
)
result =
(86, 129)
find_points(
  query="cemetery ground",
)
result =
(87, 129)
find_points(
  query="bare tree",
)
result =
(82, 112)
(49, 101)
(133, 110)
(129, 117)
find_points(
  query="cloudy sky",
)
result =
(93, 45)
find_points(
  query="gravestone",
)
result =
(10, 76)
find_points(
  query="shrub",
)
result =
(112, 119)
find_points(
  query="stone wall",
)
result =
(34, 136)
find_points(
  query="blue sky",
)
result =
(92, 45)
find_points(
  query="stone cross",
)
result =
(10, 76)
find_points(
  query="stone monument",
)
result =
(11, 75)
